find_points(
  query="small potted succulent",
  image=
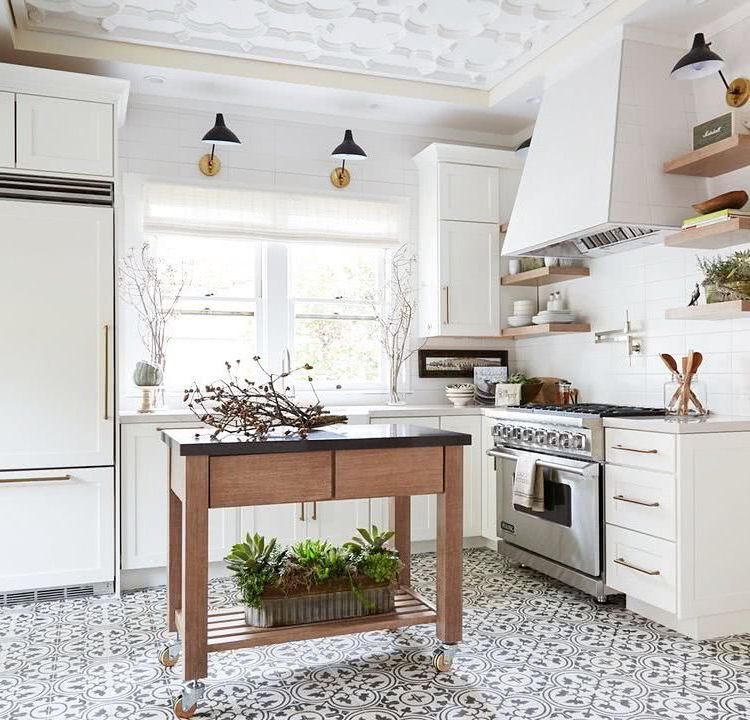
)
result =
(314, 580)
(726, 278)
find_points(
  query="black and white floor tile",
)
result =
(533, 650)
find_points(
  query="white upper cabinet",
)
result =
(67, 136)
(57, 367)
(469, 192)
(7, 130)
(469, 278)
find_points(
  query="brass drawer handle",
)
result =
(621, 561)
(52, 478)
(635, 450)
(622, 498)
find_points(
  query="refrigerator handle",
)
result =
(106, 372)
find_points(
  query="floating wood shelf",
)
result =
(545, 276)
(548, 329)
(227, 629)
(711, 311)
(734, 231)
(715, 159)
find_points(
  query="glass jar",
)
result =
(695, 404)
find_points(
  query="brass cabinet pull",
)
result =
(51, 478)
(622, 498)
(197, 427)
(315, 510)
(635, 450)
(106, 372)
(621, 561)
(302, 512)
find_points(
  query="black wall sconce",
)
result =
(347, 150)
(219, 134)
(700, 61)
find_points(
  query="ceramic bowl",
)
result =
(519, 320)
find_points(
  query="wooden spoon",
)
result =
(687, 363)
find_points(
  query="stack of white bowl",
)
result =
(460, 394)
(523, 311)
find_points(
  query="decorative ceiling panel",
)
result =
(472, 43)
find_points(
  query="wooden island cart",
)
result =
(339, 462)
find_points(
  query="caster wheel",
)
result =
(180, 712)
(167, 658)
(442, 662)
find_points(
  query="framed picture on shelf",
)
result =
(458, 363)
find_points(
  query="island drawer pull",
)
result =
(624, 563)
(635, 450)
(622, 498)
(51, 478)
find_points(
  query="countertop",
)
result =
(333, 437)
(680, 426)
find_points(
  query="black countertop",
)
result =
(332, 437)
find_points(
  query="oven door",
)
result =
(568, 531)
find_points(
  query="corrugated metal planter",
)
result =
(320, 606)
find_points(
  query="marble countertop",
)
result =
(682, 426)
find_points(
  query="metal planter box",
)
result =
(313, 607)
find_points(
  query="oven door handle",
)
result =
(573, 470)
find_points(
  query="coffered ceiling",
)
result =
(471, 44)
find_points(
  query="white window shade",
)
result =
(276, 216)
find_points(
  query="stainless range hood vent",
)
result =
(617, 235)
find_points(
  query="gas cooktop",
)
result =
(590, 409)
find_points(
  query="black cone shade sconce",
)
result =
(700, 61)
(219, 134)
(347, 150)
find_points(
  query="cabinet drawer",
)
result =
(634, 448)
(641, 500)
(57, 528)
(389, 473)
(270, 479)
(642, 567)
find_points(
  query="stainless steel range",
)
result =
(566, 539)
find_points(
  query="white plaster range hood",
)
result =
(593, 180)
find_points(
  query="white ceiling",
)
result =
(468, 43)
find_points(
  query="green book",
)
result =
(714, 216)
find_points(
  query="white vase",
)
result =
(514, 266)
(507, 394)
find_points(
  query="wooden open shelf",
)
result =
(545, 276)
(734, 231)
(227, 629)
(715, 159)
(711, 311)
(548, 329)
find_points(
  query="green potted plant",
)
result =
(726, 278)
(314, 580)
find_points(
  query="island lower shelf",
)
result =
(227, 629)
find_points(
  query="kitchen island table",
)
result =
(338, 462)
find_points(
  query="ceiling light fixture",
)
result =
(700, 61)
(523, 149)
(219, 134)
(347, 150)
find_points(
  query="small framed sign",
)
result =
(718, 128)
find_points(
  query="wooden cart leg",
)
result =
(401, 519)
(450, 548)
(195, 568)
(174, 560)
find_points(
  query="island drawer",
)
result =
(270, 479)
(389, 473)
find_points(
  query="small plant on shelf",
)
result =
(372, 557)
(726, 278)
(256, 564)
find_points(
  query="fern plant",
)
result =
(256, 564)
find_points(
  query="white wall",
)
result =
(646, 282)
(163, 141)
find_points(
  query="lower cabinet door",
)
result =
(337, 520)
(57, 528)
(285, 522)
(491, 511)
(473, 462)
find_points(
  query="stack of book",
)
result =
(712, 218)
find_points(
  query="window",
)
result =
(270, 270)
(332, 289)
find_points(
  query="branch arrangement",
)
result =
(252, 410)
(153, 287)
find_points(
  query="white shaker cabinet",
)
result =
(65, 136)
(56, 528)
(490, 514)
(7, 129)
(469, 192)
(143, 479)
(57, 295)
(473, 461)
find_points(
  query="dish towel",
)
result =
(528, 484)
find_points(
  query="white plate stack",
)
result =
(460, 394)
(523, 310)
(553, 316)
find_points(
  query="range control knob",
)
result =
(528, 435)
(552, 438)
(540, 437)
(564, 440)
(579, 442)
(516, 433)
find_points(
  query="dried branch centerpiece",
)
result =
(252, 410)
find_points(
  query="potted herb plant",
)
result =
(726, 278)
(314, 580)
(512, 391)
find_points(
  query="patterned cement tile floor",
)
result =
(533, 649)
